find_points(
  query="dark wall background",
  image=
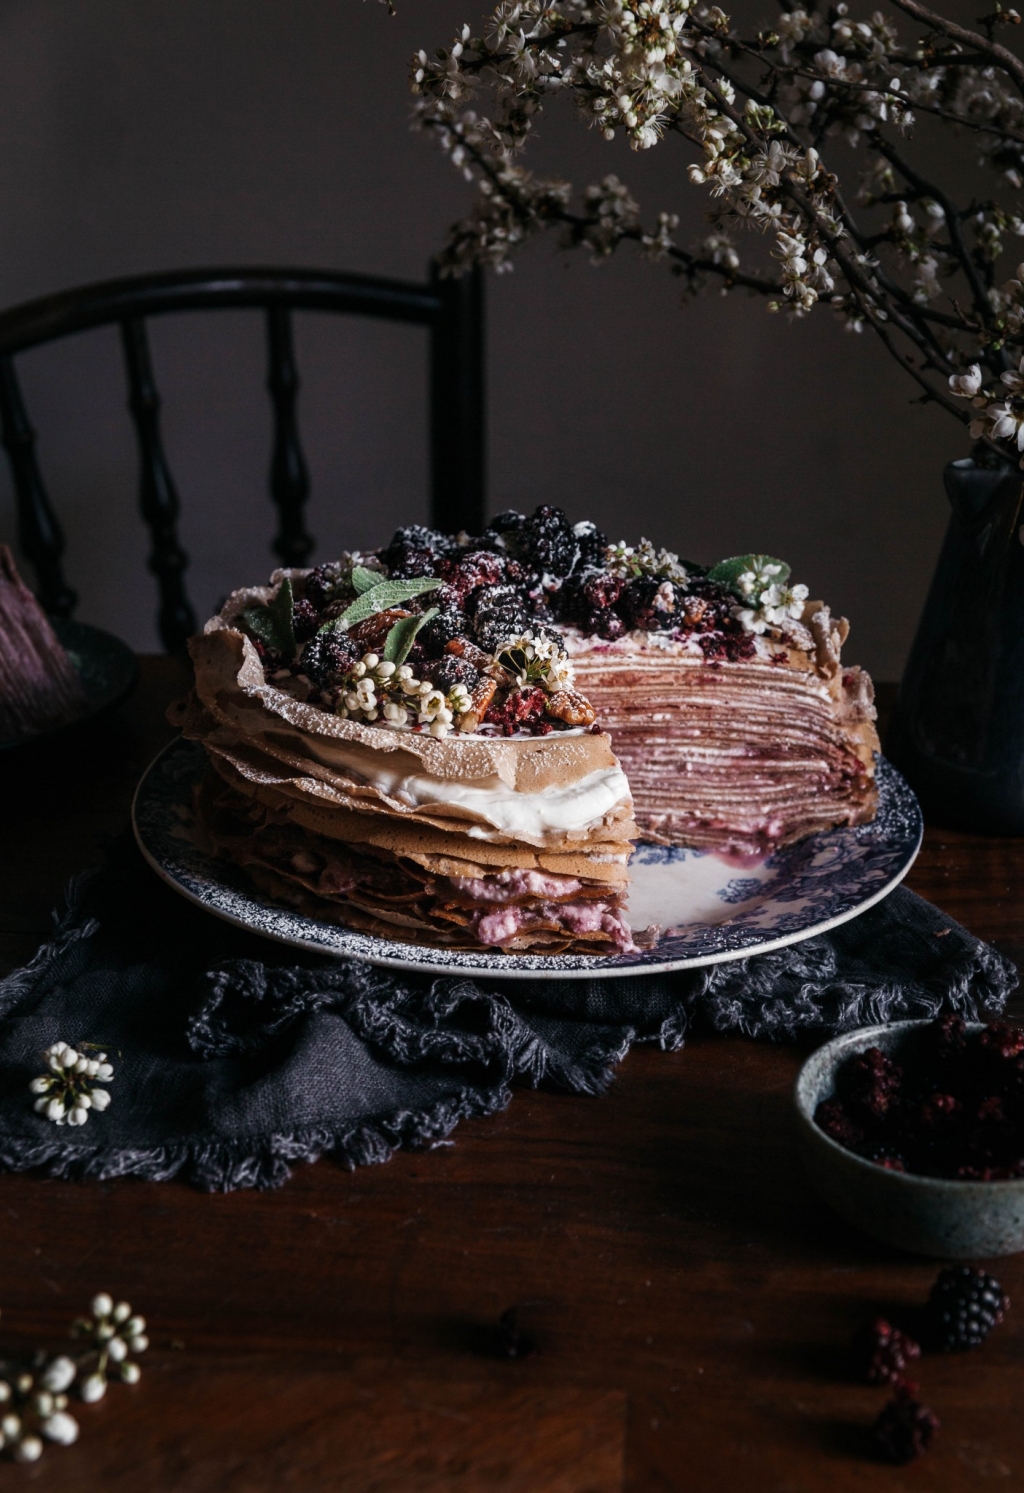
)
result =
(182, 132)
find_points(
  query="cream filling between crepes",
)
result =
(554, 810)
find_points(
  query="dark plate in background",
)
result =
(107, 667)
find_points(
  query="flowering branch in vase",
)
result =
(760, 117)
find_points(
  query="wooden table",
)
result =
(691, 1299)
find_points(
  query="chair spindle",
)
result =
(289, 475)
(39, 533)
(158, 497)
(457, 404)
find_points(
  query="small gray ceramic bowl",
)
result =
(930, 1215)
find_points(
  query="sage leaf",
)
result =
(384, 595)
(273, 624)
(728, 572)
(402, 636)
(364, 580)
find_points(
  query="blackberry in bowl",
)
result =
(912, 1132)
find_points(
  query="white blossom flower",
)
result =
(71, 1087)
(966, 385)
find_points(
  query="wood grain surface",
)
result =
(691, 1300)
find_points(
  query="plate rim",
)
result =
(611, 969)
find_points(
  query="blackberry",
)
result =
(964, 1306)
(645, 605)
(905, 1429)
(321, 583)
(434, 635)
(832, 1117)
(507, 522)
(305, 620)
(592, 545)
(547, 542)
(416, 550)
(882, 1352)
(327, 657)
(870, 1083)
(499, 613)
(444, 673)
(470, 571)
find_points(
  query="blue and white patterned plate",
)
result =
(708, 909)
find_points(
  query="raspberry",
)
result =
(882, 1351)
(905, 1429)
(327, 657)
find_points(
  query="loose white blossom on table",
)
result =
(34, 1401)
(73, 1084)
(763, 113)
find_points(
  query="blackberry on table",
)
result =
(963, 1307)
(905, 1429)
(327, 657)
(883, 1352)
(832, 1117)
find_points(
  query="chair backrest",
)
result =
(452, 310)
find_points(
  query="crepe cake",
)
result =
(420, 824)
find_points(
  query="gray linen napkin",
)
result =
(235, 1058)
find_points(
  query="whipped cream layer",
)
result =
(559, 808)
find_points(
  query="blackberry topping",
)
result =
(305, 620)
(650, 604)
(471, 571)
(416, 550)
(883, 1351)
(321, 583)
(548, 543)
(964, 1306)
(448, 671)
(905, 1429)
(592, 545)
(327, 657)
(507, 522)
(499, 613)
(434, 636)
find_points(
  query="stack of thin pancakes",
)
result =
(470, 842)
(737, 756)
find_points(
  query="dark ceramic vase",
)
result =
(957, 734)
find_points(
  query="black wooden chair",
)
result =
(451, 309)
